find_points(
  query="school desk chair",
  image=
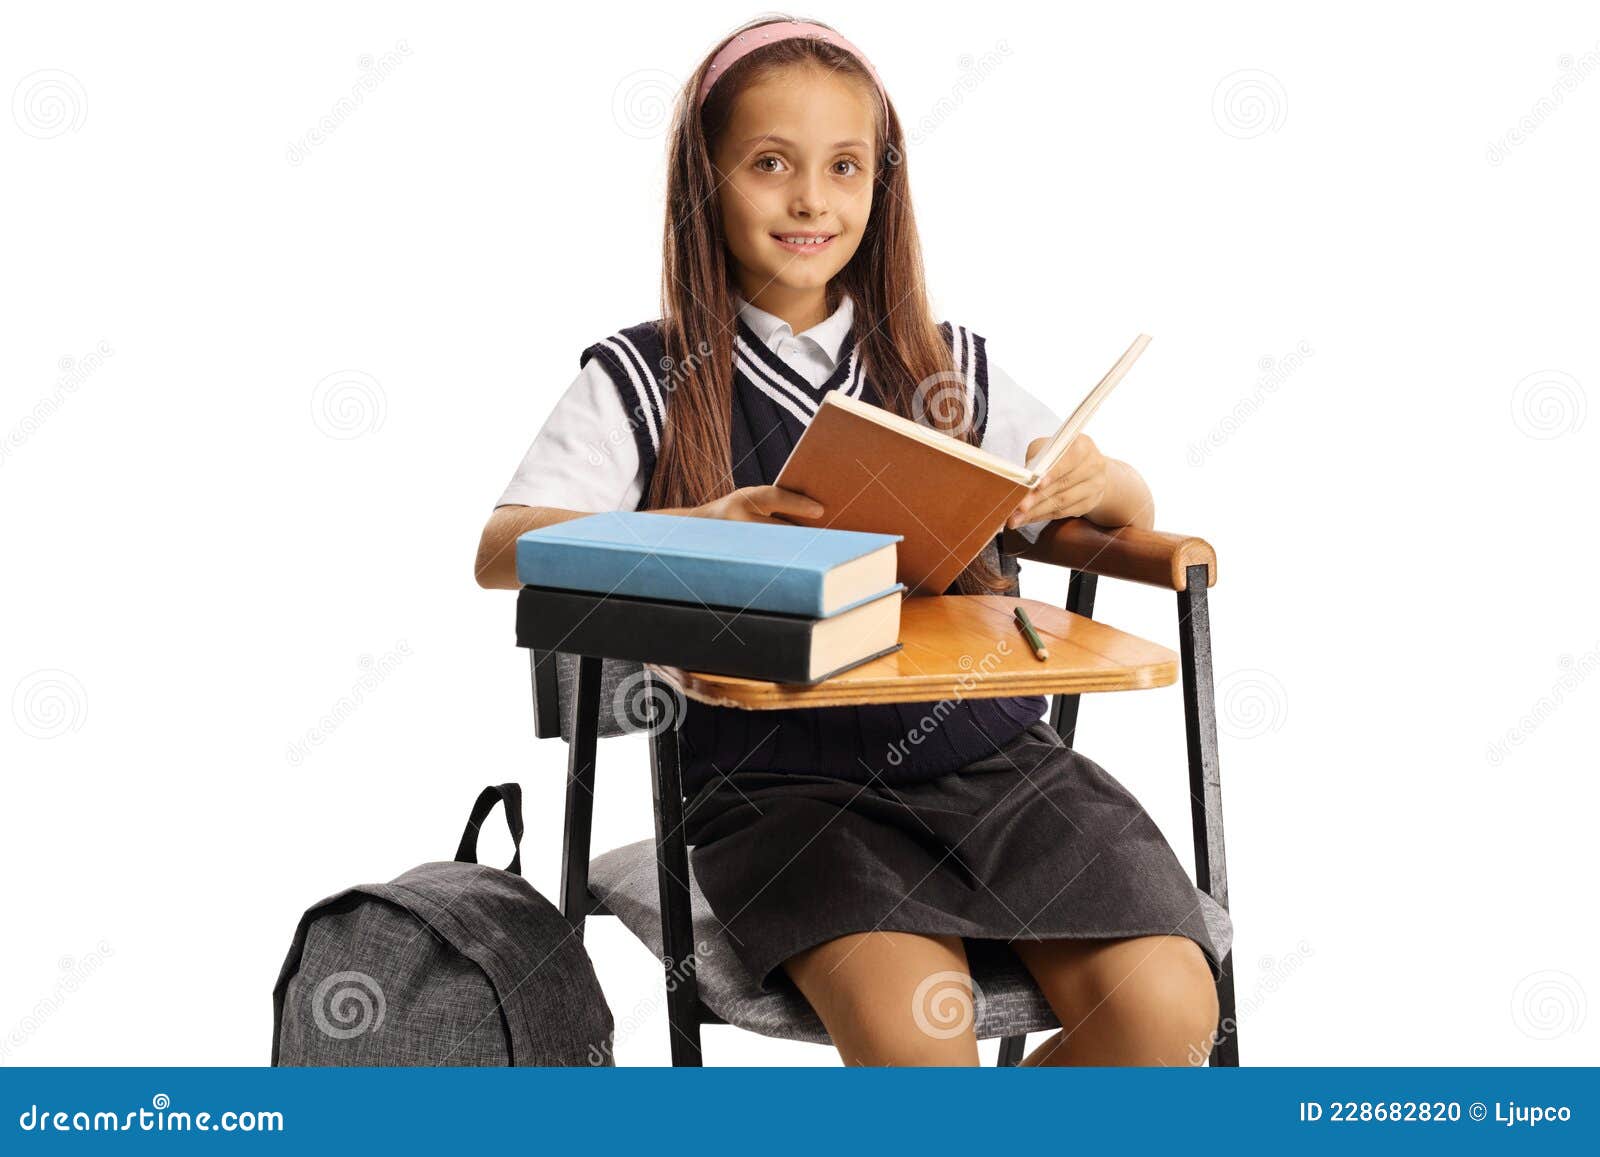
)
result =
(577, 698)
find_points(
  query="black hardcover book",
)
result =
(716, 640)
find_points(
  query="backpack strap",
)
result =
(511, 793)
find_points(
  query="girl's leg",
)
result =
(1136, 1000)
(892, 998)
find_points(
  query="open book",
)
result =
(876, 471)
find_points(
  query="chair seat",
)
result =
(1009, 1002)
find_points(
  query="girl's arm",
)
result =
(1086, 484)
(496, 567)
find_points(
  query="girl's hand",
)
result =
(760, 504)
(1074, 486)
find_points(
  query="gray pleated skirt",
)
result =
(1036, 841)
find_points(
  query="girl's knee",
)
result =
(927, 1018)
(909, 1036)
(1172, 983)
(898, 1046)
(892, 999)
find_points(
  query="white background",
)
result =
(209, 540)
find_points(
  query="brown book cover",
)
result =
(876, 471)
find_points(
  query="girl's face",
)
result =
(796, 159)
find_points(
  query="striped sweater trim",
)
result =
(634, 359)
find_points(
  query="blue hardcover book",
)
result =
(764, 566)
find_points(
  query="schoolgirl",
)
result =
(843, 860)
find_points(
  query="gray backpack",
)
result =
(450, 964)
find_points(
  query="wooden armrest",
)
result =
(1142, 556)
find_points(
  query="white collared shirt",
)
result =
(815, 353)
(584, 457)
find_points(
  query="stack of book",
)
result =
(759, 600)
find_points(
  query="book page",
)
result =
(1048, 454)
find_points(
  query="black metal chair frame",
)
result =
(686, 1012)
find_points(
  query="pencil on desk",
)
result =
(1040, 651)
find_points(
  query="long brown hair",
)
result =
(898, 338)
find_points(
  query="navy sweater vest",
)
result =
(878, 743)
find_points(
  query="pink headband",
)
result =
(763, 34)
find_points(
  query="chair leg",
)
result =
(580, 791)
(1011, 1048)
(1205, 785)
(1064, 708)
(672, 870)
